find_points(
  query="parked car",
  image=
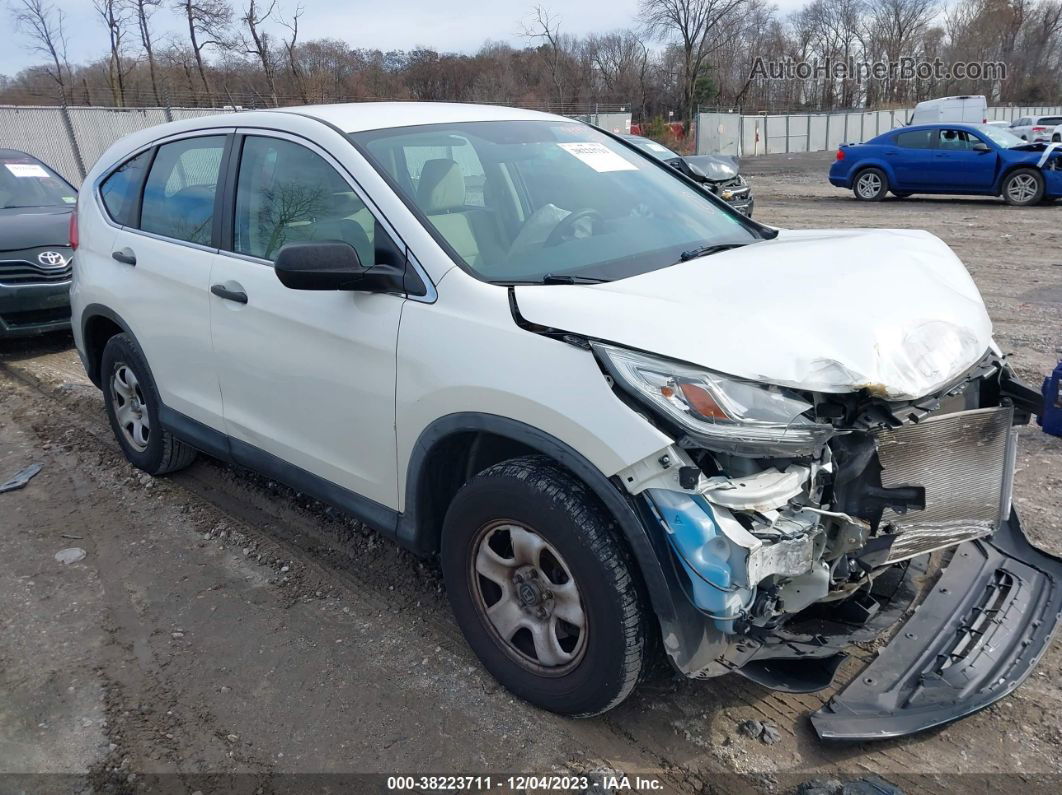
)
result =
(1056, 134)
(998, 123)
(624, 416)
(949, 158)
(35, 207)
(969, 109)
(1035, 129)
(717, 173)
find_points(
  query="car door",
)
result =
(911, 158)
(958, 166)
(308, 377)
(162, 258)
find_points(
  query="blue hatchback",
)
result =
(950, 158)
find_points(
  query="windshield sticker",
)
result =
(70, 199)
(656, 147)
(599, 157)
(27, 170)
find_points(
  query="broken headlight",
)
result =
(720, 412)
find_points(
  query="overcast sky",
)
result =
(454, 25)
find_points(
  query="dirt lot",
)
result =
(219, 624)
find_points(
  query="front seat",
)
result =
(441, 196)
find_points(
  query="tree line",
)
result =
(678, 56)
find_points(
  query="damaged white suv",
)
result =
(627, 419)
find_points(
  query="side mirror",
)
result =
(981, 146)
(320, 265)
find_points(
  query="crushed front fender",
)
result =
(976, 636)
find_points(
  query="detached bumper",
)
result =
(974, 639)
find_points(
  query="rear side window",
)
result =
(179, 191)
(119, 190)
(916, 139)
(1051, 121)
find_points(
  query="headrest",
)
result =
(441, 186)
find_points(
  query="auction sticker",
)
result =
(26, 170)
(599, 157)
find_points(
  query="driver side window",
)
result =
(956, 140)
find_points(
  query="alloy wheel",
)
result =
(868, 185)
(130, 408)
(524, 589)
(1021, 188)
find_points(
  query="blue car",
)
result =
(969, 159)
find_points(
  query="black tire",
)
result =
(900, 194)
(1023, 187)
(1056, 138)
(870, 185)
(161, 452)
(533, 493)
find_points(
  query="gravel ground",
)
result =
(220, 624)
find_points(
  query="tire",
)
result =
(1056, 138)
(533, 504)
(870, 185)
(132, 405)
(900, 194)
(1023, 186)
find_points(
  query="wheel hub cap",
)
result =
(129, 410)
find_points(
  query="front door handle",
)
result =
(125, 256)
(221, 291)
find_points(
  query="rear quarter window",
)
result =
(916, 139)
(119, 190)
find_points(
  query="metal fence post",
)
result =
(827, 142)
(807, 135)
(787, 133)
(65, 113)
(844, 140)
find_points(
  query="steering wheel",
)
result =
(567, 229)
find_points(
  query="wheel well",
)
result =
(1010, 170)
(451, 463)
(98, 329)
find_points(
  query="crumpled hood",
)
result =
(892, 311)
(714, 167)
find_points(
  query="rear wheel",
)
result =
(543, 591)
(132, 405)
(870, 185)
(1056, 138)
(1023, 186)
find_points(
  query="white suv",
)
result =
(626, 418)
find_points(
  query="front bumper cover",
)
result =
(976, 636)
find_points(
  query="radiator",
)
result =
(965, 462)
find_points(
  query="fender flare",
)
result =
(413, 534)
(93, 311)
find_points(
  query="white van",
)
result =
(968, 109)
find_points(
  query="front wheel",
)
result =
(545, 594)
(870, 185)
(1023, 186)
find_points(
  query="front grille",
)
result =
(962, 461)
(20, 272)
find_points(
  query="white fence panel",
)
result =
(40, 132)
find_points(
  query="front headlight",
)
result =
(722, 413)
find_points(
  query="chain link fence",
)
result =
(760, 134)
(70, 139)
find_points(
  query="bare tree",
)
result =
(257, 42)
(142, 12)
(207, 22)
(43, 24)
(544, 28)
(700, 27)
(290, 46)
(114, 16)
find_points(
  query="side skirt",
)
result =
(218, 445)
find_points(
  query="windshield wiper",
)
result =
(704, 251)
(564, 278)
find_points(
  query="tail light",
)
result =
(1039, 129)
(840, 154)
(73, 230)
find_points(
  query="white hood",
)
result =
(892, 311)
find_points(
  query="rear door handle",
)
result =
(221, 291)
(125, 256)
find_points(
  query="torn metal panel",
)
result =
(893, 312)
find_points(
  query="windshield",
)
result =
(24, 182)
(520, 201)
(659, 151)
(1000, 136)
